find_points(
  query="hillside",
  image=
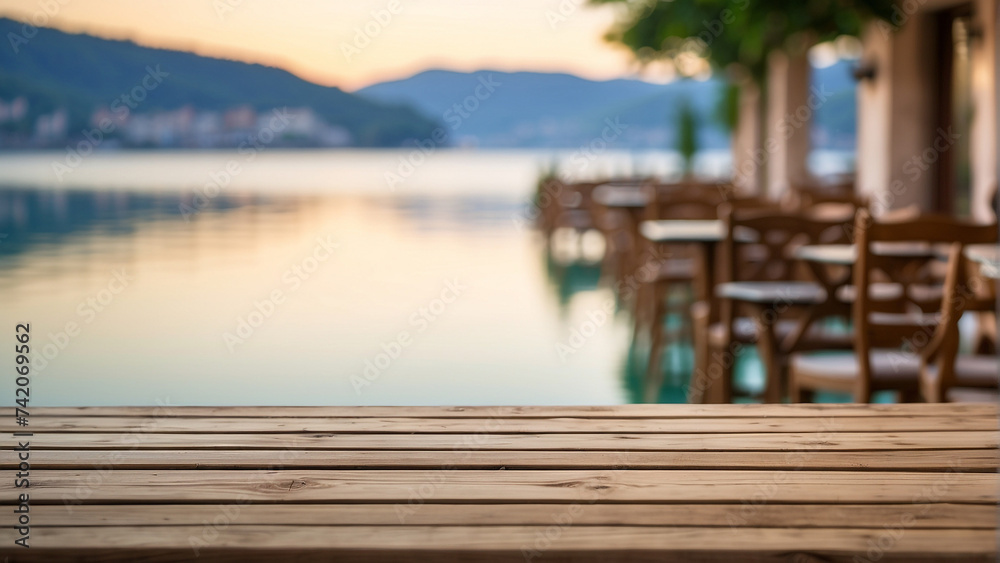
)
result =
(530, 109)
(81, 73)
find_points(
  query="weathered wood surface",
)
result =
(550, 425)
(634, 483)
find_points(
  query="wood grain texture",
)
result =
(899, 460)
(925, 515)
(617, 411)
(447, 485)
(642, 483)
(770, 441)
(432, 539)
(560, 425)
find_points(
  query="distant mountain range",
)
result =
(79, 72)
(530, 109)
(69, 76)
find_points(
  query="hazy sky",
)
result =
(320, 40)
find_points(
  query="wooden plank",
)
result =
(899, 460)
(397, 555)
(839, 441)
(565, 425)
(930, 515)
(616, 411)
(444, 485)
(510, 539)
(771, 482)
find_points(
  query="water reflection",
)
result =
(43, 217)
(195, 277)
(566, 278)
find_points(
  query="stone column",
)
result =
(747, 171)
(789, 120)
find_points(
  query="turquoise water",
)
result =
(303, 279)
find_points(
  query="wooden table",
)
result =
(846, 254)
(766, 302)
(707, 234)
(988, 256)
(636, 483)
(630, 200)
(628, 196)
(900, 255)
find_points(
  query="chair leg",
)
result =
(654, 370)
(767, 349)
(712, 379)
(641, 309)
(720, 380)
(797, 393)
(699, 341)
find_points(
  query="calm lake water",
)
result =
(302, 278)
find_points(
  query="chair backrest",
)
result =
(901, 263)
(577, 196)
(838, 201)
(682, 201)
(962, 293)
(760, 243)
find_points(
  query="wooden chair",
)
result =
(758, 253)
(619, 244)
(569, 206)
(879, 361)
(946, 375)
(574, 207)
(676, 264)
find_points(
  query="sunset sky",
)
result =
(319, 40)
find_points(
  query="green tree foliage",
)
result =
(687, 135)
(740, 32)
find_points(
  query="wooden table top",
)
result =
(621, 195)
(776, 292)
(988, 255)
(637, 482)
(846, 254)
(673, 230)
